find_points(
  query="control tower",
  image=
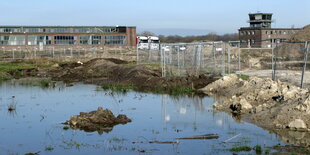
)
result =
(260, 34)
(260, 20)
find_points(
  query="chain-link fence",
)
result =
(148, 56)
(286, 61)
(193, 58)
(68, 53)
(291, 63)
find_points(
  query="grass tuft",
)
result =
(49, 148)
(258, 149)
(118, 87)
(240, 148)
(243, 77)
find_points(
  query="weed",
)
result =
(42, 83)
(175, 91)
(45, 83)
(267, 151)
(304, 150)
(6, 70)
(240, 148)
(65, 128)
(49, 148)
(258, 149)
(118, 87)
(243, 77)
(73, 143)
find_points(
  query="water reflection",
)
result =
(40, 113)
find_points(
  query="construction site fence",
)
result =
(67, 53)
(285, 60)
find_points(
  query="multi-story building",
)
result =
(260, 34)
(66, 36)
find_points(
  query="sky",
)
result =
(162, 17)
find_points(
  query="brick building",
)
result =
(66, 36)
(260, 34)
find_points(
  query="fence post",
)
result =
(164, 63)
(213, 50)
(14, 54)
(272, 59)
(239, 50)
(178, 50)
(137, 50)
(71, 53)
(305, 63)
(35, 53)
(228, 58)
(223, 58)
(53, 51)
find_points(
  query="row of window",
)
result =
(252, 41)
(279, 32)
(62, 40)
(247, 33)
(60, 30)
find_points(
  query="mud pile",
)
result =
(303, 35)
(269, 104)
(108, 70)
(99, 120)
(292, 50)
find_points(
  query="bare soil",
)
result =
(273, 105)
(114, 71)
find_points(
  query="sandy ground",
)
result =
(293, 77)
(274, 105)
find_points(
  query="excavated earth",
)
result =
(273, 105)
(99, 120)
(110, 71)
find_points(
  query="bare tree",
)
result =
(146, 33)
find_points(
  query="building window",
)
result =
(85, 40)
(90, 40)
(4, 40)
(10, 30)
(36, 40)
(84, 30)
(64, 40)
(117, 39)
(253, 32)
(59, 30)
(34, 30)
(96, 40)
(12, 40)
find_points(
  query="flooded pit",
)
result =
(35, 123)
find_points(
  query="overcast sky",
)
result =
(167, 17)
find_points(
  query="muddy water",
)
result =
(35, 125)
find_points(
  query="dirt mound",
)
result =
(107, 71)
(302, 35)
(292, 50)
(99, 120)
(270, 104)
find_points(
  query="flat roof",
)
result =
(259, 13)
(259, 28)
(58, 26)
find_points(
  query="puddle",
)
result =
(35, 124)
